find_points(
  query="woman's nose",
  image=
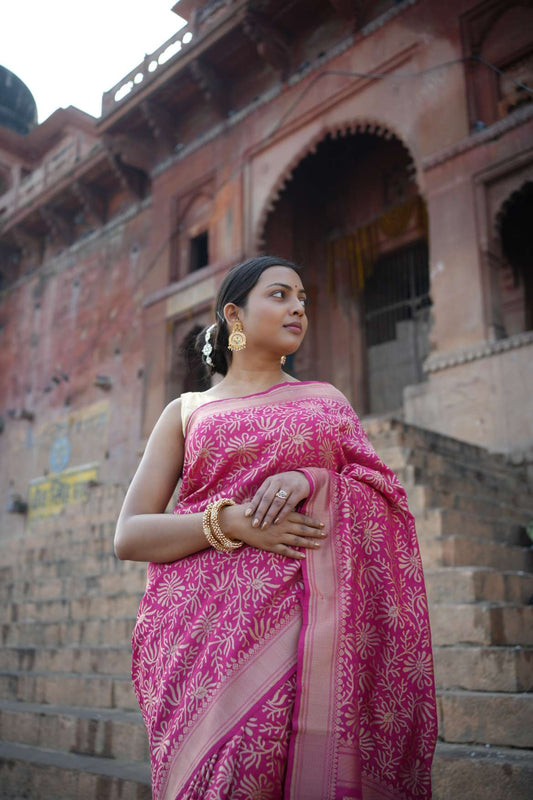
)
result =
(298, 307)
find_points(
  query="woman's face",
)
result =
(275, 313)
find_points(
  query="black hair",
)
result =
(235, 288)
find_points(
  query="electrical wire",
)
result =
(355, 74)
(502, 73)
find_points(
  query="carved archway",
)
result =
(347, 207)
(514, 247)
(352, 127)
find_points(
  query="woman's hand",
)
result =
(294, 530)
(276, 498)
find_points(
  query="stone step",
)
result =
(64, 567)
(508, 498)
(107, 564)
(69, 688)
(35, 773)
(69, 632)
(105, 733)
(479, 773)
(79, 609)
(450, 522)
(97, 660)
(394, 433)
(389, 431)
(48, 553)
(481, 623)
(441, 471)
(422, 498)
(130, 581)
(481, 487)
(61, 529)
(462, 551)
(484, 669)
(491, 509)
(493, 718)
(37, 545)
(475, 584)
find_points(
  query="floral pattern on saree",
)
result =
(221, 639)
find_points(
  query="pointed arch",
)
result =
(367, 126)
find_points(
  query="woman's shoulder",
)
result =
(327, 389)
(171, 414)
(190, 401)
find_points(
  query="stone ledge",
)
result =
(488, 134)
(477, 773)
(440, 361)
(124, 770)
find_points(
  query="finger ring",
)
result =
(282, 494)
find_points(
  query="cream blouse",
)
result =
(190, 401)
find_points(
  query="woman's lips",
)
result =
(294, 327)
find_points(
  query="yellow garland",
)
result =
(359, 250)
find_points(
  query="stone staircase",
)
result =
(471, 508)
(69, 723)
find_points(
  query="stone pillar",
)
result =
(456, 275)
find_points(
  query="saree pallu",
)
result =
(263, 677)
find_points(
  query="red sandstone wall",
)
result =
(80, 316)
(82, 310)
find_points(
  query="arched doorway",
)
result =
(352, 214)
(516, 265)
(186, 370)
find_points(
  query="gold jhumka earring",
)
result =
(237, 338)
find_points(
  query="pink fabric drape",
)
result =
(260, 676)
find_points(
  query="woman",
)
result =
(282, 647)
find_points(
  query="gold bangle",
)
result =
(227, 543)
(206, 525)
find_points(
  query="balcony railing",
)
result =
(146, 71)
(54, 167)
(206, 16)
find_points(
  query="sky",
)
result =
(70, 53)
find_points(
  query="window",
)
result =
(199, 251)
(516, 274)
(511, 94)
(499, 32)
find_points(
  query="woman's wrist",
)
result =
(308, 478)
(233, 522)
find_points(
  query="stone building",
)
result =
(385, 146)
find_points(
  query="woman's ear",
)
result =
(231, 313)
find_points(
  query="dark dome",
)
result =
(17, 106)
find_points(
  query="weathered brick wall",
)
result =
(78, 317)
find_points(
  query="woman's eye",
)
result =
(281, 293)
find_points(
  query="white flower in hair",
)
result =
(208, 347)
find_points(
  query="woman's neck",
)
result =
(241, 380)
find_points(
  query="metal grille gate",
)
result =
(397, 290)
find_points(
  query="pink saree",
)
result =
(261, 677)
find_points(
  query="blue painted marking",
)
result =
(59, 454)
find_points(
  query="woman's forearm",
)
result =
(161, 538)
